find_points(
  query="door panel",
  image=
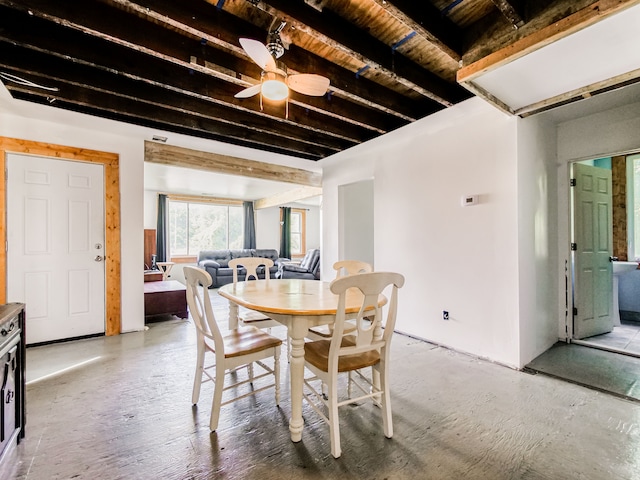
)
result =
(593, 236)
(55, 240)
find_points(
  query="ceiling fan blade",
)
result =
(308, 84)
(259, 54)
(249, 92)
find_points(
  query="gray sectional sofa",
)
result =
(308, 269)
(216, 263)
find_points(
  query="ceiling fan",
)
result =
(275, 82)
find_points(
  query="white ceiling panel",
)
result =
(607, 49)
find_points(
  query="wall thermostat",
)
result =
(469, 200)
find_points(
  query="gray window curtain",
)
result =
(249, 225)
(161, 230)
(285, 232)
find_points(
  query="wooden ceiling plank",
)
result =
(222, 29)
(333, 30)
(181, 122)
(80, 76)
(147, 70)
(583, 18)
(427, 22)
(510, 12)
(225, 164)
(374, 118)
(175, 52)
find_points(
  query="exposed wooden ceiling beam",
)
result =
(333, 30)
(128, 111)
(140, 67)
(184, 112)
(426, 20)
(214, 162)
(217, 27)
(289, 196)
(555, 31)
(509, 10)
(177, 49)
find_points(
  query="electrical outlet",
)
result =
(445, 315)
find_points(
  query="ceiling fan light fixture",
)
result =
(275, 90)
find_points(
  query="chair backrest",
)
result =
(344, 268)
(251, 265)
(199, 302)
(369, 318)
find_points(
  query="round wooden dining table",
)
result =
(299, 305)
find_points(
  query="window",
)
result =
(203, 225)
(298, 229)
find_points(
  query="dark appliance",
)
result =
(12, 379)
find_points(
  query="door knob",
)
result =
(98, 258)
(613, 259)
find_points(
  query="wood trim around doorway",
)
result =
(111, 163)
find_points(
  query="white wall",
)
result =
(460, 259)
(540, 288)
(150, 209)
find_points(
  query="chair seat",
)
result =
(325, 331)
(247, 340)
(248, 316)
(317, 354)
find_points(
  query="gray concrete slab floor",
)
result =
(120, 408)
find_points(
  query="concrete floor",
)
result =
(119, 408)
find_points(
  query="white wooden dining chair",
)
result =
(343, 268)
(251, 264)
(368, 346)
(244, 346)
(351, 267)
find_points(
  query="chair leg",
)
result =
(385, 397)
(250, 371)
(375, 377)
(217, 397)
(276, 373)
(334, 423)
(197, 379)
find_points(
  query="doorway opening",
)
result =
(604, 234)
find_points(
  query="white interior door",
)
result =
(593, 238)
(55, 237)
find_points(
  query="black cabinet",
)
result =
(12, 378)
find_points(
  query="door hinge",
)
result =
(575, 311)
(572, 182)
(574, 247)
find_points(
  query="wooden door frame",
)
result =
(111, 162)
